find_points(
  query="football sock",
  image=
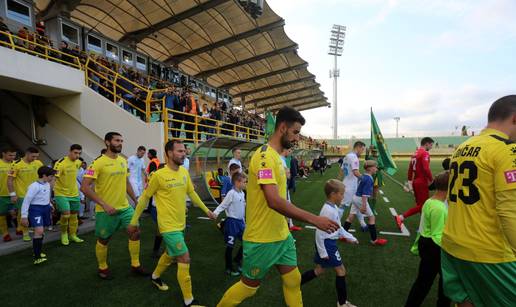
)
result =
(342, 294)
(239, 255)
(236, 294)
(185, 281)
(37, 244)
(307, 276)
(101, 252)
(64, 220)
(157, 242)
(229, 258)
(292, 288)
(74, 224)
(134, 251)
(372, 231)
(163, 263)
(3, 225)
(347, 225)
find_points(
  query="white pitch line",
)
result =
(310, 227)
(404, 231)
(203, 218)
(381, 192)
(385, 199)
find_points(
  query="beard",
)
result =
(179, 161)
(285, 142)
(115, 149)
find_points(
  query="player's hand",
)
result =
(211, 215)
(109, 210)
(25, 222)
(14, 199)
(132, 230)
(325, 224)
(363, 209)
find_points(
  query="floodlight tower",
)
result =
(397, 119)
(336, 47)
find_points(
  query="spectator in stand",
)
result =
(294, 171)
(4, 28)
(216, 115)
(65, 49)
(205, 115)
(191, 109)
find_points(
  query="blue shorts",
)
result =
(233, 229)
(39, 216)
(153, 213)
(333, 260)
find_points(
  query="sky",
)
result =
(436, 64)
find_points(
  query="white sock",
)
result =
(189, 301)
(154, 276)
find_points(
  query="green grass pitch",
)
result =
(377, 276)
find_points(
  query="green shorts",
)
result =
(5, 204)
(106, 225)
(260, 257)
(175, 243)
(19, 203)
(68, 203)
(483, 284)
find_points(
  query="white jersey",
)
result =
(186, 164)
(38, 194)
(136, 166)
(330, 211)
(235, 161)
(233, 204)
(350, 164)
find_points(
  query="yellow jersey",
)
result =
(5, 168)
(480, 167)
(264, 225)
(66, 177)
(169, 189)
(110, 177)
(24, 174)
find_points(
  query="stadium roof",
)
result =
(214, 40)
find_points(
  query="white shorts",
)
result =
(357, 204)
(349, 193)
(137, 188)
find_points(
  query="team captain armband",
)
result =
(265, 173)
(90, 172)
(510, 176)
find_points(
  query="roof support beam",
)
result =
(58, 7)
(262, 89)
(178, 58)
(205, 74)
(297, 104)
(263, 76)
(312, 107)
(289, 100)
(138, 35)
(285, 93)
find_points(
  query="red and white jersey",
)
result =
(419, 167)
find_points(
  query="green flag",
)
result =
(269, 126)
(385, 160)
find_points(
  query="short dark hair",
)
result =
(153, 152)
(233, 167)
(32, 150)
(75, 147)
(110, 135)
(290, 116)
(426, 140)
(237, 177)
(46, 171)
(446, 164)
(502, 108)
(441, 181)
(169, 146)
(8, 149)
(141, 148)
(333, 186)
(235, 149)
(359, 144)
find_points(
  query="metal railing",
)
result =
(141, 101)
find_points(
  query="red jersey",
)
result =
(419, 167)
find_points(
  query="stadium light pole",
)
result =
(338, 33)
(397, 119)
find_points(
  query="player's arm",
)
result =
(355, 166)
(143, 201)
(31, 192)
(426, 168)
(196, 200)
(506, 211)
(87, 190)
(341, 172)
(437, 222)
(223, 205)
(319, 244)
(282, 206)
(410, 171)
(130, 191)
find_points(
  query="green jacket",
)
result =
(433, 219)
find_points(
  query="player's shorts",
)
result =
(40, 216)
(106, 225)
(153, 213)
(260, 257)
(233, 230)
(175, 243)
(5, 204)
(483, 284)
(421, 192)
(334, 259)
(68, 203)
(19, 203)
(137, 187)
(350, 191)
(357, 204)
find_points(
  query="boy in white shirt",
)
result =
(327, 253)
(36, 210)
(234, 225)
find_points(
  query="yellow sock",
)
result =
(163, 263)
(101, 252)
(74, 224)
(184, 280)
(134, 251)
(236, 294)
(292, 288)
(3, 225)
(63, 221)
